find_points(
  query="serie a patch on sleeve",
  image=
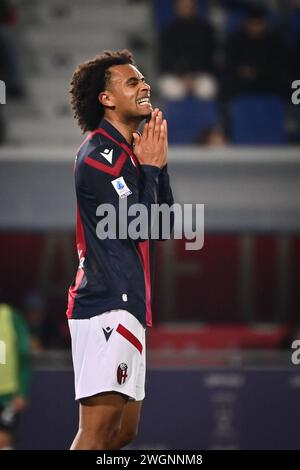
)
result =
(121, 187)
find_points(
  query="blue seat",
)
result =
(164, 12)
(186, 118)
(258, 120)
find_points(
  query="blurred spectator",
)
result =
(257, 58)
(212, 137)
(15, 373)
(44, 333)
(186, 49)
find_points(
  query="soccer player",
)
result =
(110, 299)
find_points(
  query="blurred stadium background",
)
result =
(219, 357)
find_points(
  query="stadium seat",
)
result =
(186, 118)
(258, 120)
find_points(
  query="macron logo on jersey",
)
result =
(107, 154)
(107, 332)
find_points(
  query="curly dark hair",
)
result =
(88, 80)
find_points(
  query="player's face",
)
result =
(130, 93)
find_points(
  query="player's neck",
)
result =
(126, 129)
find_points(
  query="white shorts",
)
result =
(109, 355)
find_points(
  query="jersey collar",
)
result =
(113, 132)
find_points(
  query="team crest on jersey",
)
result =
(122, 373)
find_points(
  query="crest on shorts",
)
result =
(122, 373)
(107, 332)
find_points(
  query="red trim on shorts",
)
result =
(130, 337)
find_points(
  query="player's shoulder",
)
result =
(105, 157)
(106, 153)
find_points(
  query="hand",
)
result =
(151, 148)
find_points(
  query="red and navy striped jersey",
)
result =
(113, 273)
